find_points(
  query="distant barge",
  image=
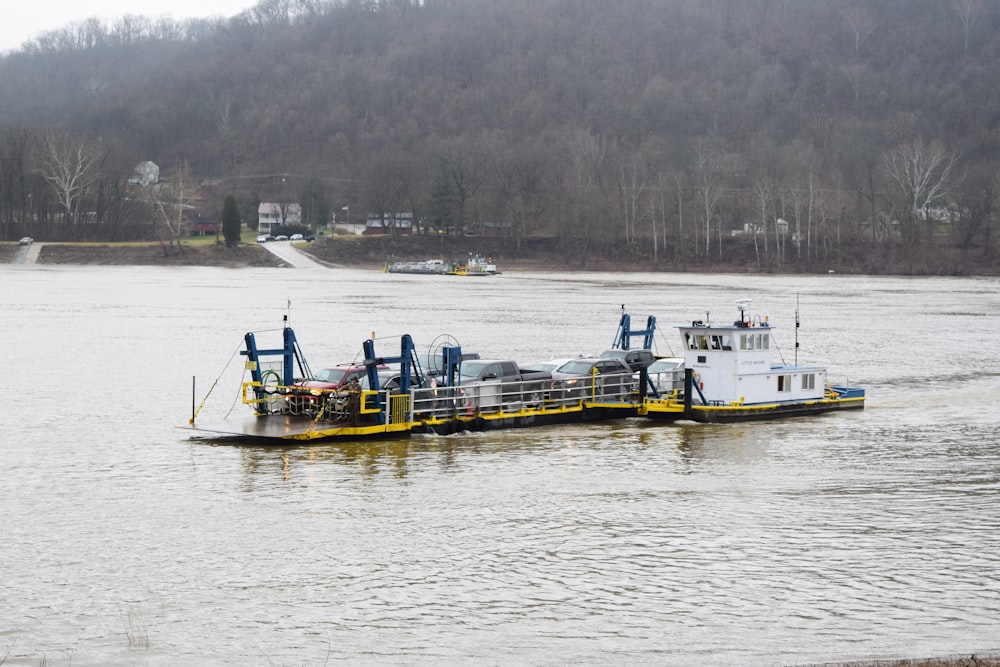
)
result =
(474, 265)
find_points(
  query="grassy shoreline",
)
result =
(373, 252)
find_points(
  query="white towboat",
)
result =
(731, 376)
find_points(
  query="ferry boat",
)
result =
(729, 376)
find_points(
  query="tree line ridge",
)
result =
(767, 133)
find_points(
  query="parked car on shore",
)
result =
(26, 240)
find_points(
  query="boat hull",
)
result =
(289, 429)
(727, 414)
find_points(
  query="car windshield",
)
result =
(543, 366)
(431, 362)
(576, 367)
(663, 365)
(471, 369)
(332, 375)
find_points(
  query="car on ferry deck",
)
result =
(611, 378)
(430, 364)
(336, 377)
(636, 359)
(387, 379)
(306, 395)
(546, 366)
(667, 374)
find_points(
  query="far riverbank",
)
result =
(376, 252)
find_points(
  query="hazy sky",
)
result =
(20, 20)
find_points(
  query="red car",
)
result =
(323, 387)
(334, 378)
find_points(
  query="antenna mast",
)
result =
(796, 329)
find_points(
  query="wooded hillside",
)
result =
(691, 131)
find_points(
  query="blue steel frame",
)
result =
(291, 357)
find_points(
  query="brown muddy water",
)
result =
(866, 535)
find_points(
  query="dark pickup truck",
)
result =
(501, 380)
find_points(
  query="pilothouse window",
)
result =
(696, 341)
(749, 342)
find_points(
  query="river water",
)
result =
(125, 541)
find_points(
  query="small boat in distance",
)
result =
(474, 265)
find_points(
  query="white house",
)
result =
(145, 173)
(379, 223)
(271, 215)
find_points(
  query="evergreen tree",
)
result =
(441, 208)
(231, 221)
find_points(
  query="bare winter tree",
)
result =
(170, 203)
(16, 148)
(67, 165)
(708, 187)
(589, 155)
(860, 23)
(856, 76)
(464, 166)
(979, 201)
(632, 181)
(969, 12)
(764, 197)
(921, 175)
(389, 188)
(519, 191)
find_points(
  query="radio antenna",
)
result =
(796, 329)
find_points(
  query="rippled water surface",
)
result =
(126, 542)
